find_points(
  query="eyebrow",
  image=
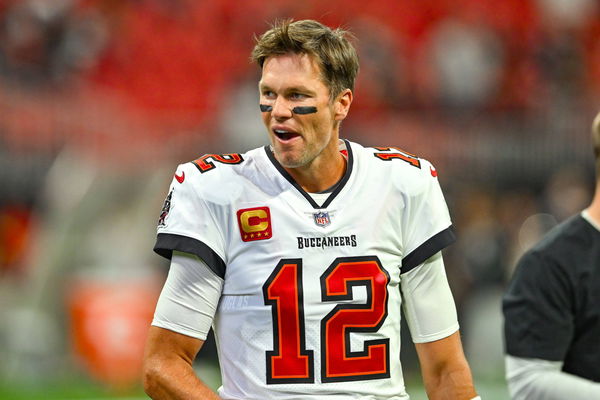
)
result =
(293, 89)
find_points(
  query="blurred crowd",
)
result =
(100, 99)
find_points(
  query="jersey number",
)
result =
(393, 153)
(290, 361)
(206, 162)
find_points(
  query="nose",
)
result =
(281, 109)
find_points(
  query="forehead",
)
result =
(291, 70)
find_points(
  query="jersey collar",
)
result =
(339, 186)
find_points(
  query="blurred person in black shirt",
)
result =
(552, 310)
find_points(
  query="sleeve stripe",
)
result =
(434, 244)
(167, 242)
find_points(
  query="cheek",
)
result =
(265, 118)
(324, 121)
(317, 125)
(322, 129)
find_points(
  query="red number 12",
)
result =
(290, 361)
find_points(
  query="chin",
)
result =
(289, 161)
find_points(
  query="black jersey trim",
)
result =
(340, 185)
(166, 243)
(434, 244)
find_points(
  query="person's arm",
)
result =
(431, 316)
(536, 379)
(445, 371)
(168, 371)
(182, 319)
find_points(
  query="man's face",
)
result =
(293, 80)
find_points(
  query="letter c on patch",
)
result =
(254, 220)
(254, 223)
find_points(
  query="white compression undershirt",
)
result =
(536, 379)
(189, 298)
(427, 301)
(192, 291)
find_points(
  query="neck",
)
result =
(594, 208)
(322, 173)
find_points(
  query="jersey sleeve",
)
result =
(537, 307)
(189, 298)
(426, 225)
(187, 223)
(535, 379)
(427, 301)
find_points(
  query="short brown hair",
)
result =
(596, 143)
(331, 49)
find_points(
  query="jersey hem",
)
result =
(436, 336)
(535, 353)
(167, 242)
(180, 330)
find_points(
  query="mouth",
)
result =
(285, 135)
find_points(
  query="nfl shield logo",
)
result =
(322, 218)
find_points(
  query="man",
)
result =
(552, 310)
(301, 253)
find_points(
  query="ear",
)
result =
(341, 105)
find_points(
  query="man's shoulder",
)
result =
(574, 232)
(406, 170)
(216, 174)
(216, 166)
(564, 245)
(211, 163)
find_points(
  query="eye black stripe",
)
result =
(304, 110)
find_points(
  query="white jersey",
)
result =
(311, 299)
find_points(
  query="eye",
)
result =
(268, 94)
(297, 96)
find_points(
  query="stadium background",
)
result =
(100, 99)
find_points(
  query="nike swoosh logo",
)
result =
(180, 178)
(433, 171)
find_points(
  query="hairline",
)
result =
(313, 58)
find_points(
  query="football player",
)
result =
(302, 254)
(552, 310)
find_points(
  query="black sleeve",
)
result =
(167, 242)
(538, 309)
(436, 243)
